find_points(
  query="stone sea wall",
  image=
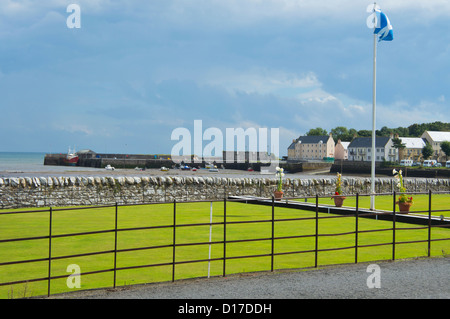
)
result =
(105, 190)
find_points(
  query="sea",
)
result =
(15, 163)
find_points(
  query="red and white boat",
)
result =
(71, 158)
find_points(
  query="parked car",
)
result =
(429, 163)
(447, 164)
(406, 162)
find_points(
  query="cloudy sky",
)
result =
(138, 69)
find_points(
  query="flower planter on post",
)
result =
(278, 194)
(338, 198)
(404, 206)
(404, 202)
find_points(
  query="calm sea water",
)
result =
(16, 162)
(12, 161)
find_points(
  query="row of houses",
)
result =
(306, 148)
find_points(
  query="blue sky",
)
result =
(137, 70)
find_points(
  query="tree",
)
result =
(317, 131)
(340, 133)
(398, 143)
(416, 130)
(445, 147)
(427, 151)
(352, 133)
(385, 131)
(400, 146)
(364, 133)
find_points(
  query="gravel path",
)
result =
(427, 278)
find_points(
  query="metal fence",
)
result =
(174, 226)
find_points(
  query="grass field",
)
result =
(96, 219)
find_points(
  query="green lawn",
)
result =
(66, 222)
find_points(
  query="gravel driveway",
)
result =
(402, 279)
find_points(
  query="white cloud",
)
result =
(245, 12)
(229, 12)
(262, 81)
(316, 95)
(73, 128)
(401, 113)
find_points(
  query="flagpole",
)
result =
(374, 102)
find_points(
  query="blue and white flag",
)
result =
(383, 27)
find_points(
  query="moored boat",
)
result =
(71, 158)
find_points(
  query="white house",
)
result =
(360, 149)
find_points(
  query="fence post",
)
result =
(115, 246)
(317, 231)
(356, 228)
(224, 233)
(429, 223)
(50, 250)
(273, 232)
(174, 237)
(210, 237)
(393, 226)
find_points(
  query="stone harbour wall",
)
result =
(106, 190)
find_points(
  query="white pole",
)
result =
(210, 238)
(372, 184)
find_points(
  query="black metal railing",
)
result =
(356, 212)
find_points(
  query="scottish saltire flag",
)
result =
(383, 27)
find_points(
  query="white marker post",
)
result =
(210, 238)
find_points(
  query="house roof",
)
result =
(380, 141)
(312, 139)
(438, 136)
(413, 142)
